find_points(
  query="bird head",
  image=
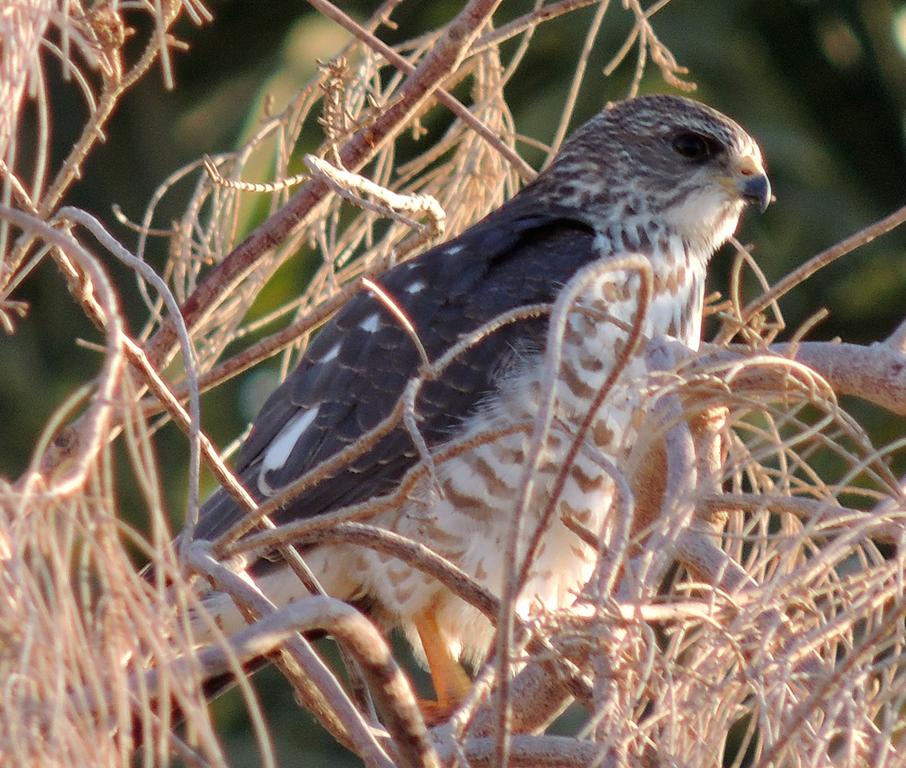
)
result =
(665, 160)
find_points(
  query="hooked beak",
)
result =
(751, 183)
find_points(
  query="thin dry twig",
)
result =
(352, 186)
(72, 477)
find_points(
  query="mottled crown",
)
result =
(627, 164)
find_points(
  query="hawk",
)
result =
(661, 177)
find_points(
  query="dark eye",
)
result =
(694, 146)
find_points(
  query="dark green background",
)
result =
(822, 85)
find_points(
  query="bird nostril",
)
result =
(747, 167)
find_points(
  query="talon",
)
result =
(435, 713)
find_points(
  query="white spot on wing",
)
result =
(454, 249)
(281, 447)
(418, 285)
(602, 244)
(370, 323)
(331, 353)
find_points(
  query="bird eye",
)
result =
(694, 146)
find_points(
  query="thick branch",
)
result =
(876, 372)
(533, 752)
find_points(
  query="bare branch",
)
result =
(358, 635)
(314, 683)
(361, 147)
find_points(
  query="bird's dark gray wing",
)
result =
(355, 369)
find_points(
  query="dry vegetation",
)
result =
(783, 621)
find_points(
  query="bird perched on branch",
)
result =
(659, 181)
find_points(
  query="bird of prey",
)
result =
(659, 177)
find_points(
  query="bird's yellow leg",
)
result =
(451, 683)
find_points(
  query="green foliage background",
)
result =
(822, 85)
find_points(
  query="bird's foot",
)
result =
(451, 683)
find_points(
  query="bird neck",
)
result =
(678, 269)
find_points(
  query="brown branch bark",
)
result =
(358, 150)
